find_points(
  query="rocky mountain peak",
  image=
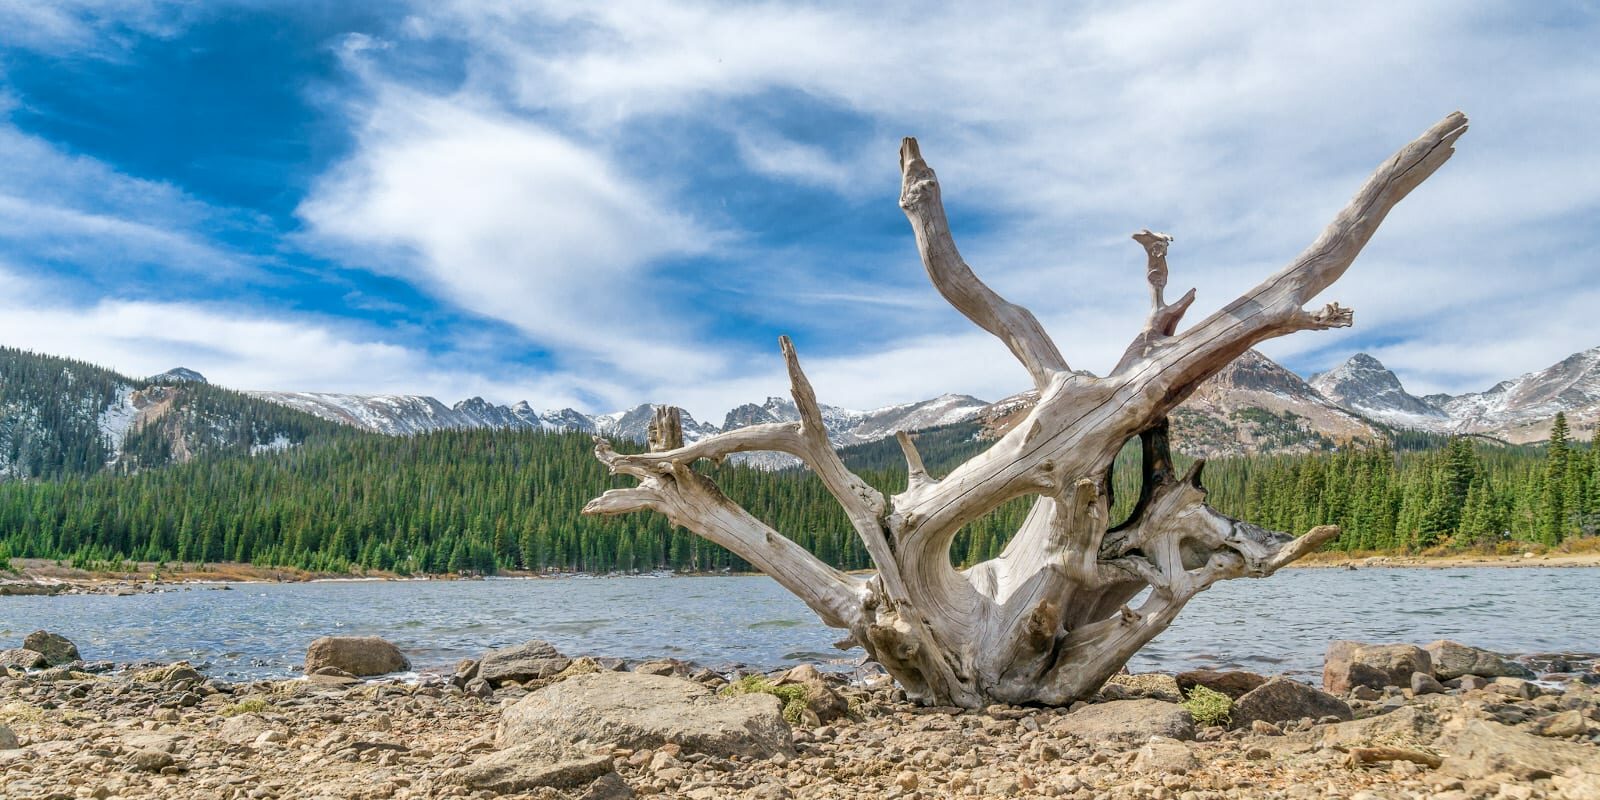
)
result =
(1254, 371)
(1364, 385)
(179, 375)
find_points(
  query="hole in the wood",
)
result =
(1193, 554)
(1127, 475)
(984, 537)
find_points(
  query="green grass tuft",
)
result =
(1208, 707)
(792, 695)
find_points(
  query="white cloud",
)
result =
(511, 220)
(1239, 127)
(73, 209)
(78, 25)
(246, 348)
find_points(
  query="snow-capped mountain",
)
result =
(1363, 385)
(1255, 405)
(846, 427)
(407, 414)
(410, 414)
(1517, 410)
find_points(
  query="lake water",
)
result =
(1280, 624)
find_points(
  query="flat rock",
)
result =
(1350, 664)
(1562, 725)
(1283, 700)
(245, 728)
(23, 658)
(55, 648)
(1153, 685)
(624, 709)
(1410, 726)
(523, 769)
(1165, 755)
(159, 741)
(358, 655)
(1483, 748)
(1453, 660)
(533, 660)
(1231, 683)
(1128, 719)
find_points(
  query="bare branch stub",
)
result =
(1049, 620)
(666, 429)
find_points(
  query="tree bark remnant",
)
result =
(1046, 621)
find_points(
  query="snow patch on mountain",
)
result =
(116, 420)
(404, 415)
(1518, 410)
(1363, 385)
(279, 443)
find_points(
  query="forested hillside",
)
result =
(60, 417)
(485, 500)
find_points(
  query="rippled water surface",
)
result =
(1281, 624)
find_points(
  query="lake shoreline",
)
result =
(44, 573)
(167, 731)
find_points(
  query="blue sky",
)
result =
(597, 205)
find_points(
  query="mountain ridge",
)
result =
(1517, 410)
(412, 414)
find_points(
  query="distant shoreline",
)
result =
(34, 574)
(1452, 561)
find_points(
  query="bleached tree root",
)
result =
(1048, 620)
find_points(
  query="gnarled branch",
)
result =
(687, 498)
(1015, 325)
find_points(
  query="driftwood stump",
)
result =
(1047, 621)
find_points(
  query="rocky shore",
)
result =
(1399, 721)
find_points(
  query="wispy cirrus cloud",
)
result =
(646, 193)
(511, 220)
(1240, 128)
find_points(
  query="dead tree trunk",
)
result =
(1047, 621)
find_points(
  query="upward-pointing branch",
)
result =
(1015, 325)
(1276, 306)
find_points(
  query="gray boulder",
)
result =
(1129, 720)
(1284, 700)
(177, 673)
(1453, 660)
(23, 658)
(358, 655)
(821, 699)
(534, 660)
(8, 740)
(1350, 664)
(1423, 683)
(625, 709)
(55, 648)
(1233, 684)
